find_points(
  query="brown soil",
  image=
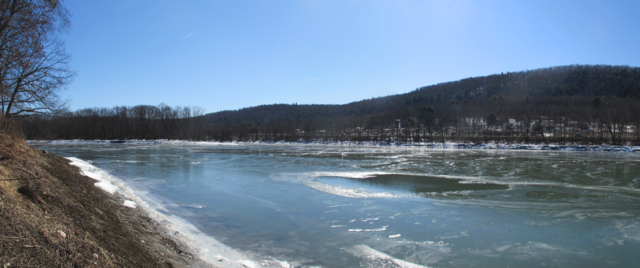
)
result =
(52, 216)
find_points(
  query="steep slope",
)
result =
(52, 216)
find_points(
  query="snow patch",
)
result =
(129, 203)
(104, 180)
(248, 264)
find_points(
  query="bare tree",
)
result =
(614, 118)
(33, 63)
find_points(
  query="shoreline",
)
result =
(53, 215)
(428, 145)
(203, 250)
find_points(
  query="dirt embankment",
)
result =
(52, 216)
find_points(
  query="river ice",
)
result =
(398, 206)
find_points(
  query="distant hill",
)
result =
(585, 81)
(576, 103)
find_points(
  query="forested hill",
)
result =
(587, 81)
(577, 103)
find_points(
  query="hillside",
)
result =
(586, 81)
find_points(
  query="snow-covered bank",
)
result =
(432, 145)
(204, 246)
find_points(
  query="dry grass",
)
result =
(52, 216)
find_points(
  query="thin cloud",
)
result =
(186, 36)
(309, 80)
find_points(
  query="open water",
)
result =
(368, 206)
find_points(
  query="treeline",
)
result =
(577, 103)
(120, 122)
(529, 119)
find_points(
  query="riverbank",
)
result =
(431, 145)
(52, 216)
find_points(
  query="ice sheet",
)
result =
(378, 259)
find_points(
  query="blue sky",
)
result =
(226, 55)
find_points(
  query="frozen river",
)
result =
(361, 206)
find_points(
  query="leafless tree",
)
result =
(33, 64)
